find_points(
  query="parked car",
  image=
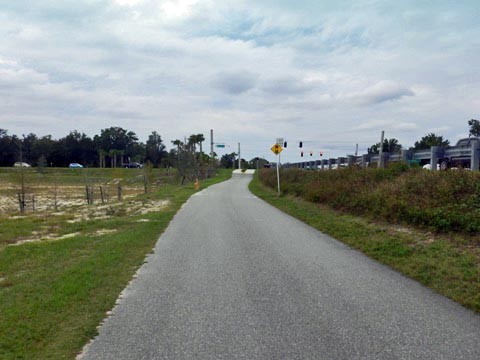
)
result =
(463, 158)
(429, 166)
(134, 165)
(21, 164)
(75, 166)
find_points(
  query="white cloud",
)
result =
(235, 83)
(440, 130)
(129, 3)
(30, 33)
(266, 69)
(386, 125)
(178, 9)
(382, 91)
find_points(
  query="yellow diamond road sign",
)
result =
(276, 149)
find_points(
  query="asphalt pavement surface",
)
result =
(234, 278)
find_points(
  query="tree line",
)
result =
(114, 146)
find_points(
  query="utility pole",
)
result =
(278, 176)
(239, 157)
(211, 147)
(380, 160)
(356, 149)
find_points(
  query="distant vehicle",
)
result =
(267, 166)
(134, 165)
(429, 166)
(75, 166)
(21, 164)
(462, 158)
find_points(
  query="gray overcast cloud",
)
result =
(330, 73)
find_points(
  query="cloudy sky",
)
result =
(329, 73)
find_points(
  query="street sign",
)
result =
(220, 145)
(276, 149)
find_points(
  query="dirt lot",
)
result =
(62, 188)
(56, 203)
(43, 198)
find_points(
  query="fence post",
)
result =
(330, 162)
(475, 161)
(433, 158)
(21, 201)
(102, 195)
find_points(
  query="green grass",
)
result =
(53, 294)
(449, 264)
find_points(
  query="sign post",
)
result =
(277, 149)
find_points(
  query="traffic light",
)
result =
(301, 144)
(311, 153)
(301, 153)
(321, 153)
(285, 144)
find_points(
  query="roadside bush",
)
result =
(443, 201)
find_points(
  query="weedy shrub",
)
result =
(443, 201)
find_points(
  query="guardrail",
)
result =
(434, 155)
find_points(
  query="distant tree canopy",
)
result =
(10, 148)
(257, 162)
(430, 140)
(155, 149)
(190, 163)
(113, 147)
(474, 127)
(114, 143)
(228, 160)
(389, 145)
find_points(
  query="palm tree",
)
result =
(192, 141)
(101, 157)
(200, 140)
(177, 143)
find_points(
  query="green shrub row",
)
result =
(443, 201)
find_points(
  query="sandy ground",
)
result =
(72, 205)
(43, 197)
(86, 213)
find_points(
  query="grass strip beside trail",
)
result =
(449, 264)
(53, 294)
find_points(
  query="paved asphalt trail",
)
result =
(234, 278)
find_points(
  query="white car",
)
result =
(429, 166)
(21, 164)
(75, 166)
